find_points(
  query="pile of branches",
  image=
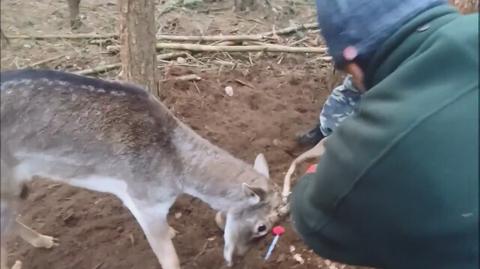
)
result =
(305, 40)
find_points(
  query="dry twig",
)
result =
(98, 265)
(196, 87)
(64, 36)
(51, 59)
(241, 82)
(191, 77)
(213, 38)
(294, 28)
(201, 252)
(108, 67)
(98, 69)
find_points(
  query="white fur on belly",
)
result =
(48, 166)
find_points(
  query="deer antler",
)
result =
(314, 152)
(284, 208)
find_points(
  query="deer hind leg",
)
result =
(7, 210)
(35, 238)
(153, 221)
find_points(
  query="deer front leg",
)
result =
(153, 221)
(34, 238)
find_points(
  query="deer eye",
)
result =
(261, 228)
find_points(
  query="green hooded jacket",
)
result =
(398, 184)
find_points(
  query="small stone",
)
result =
(276, 142)
(178, 215)
(119, 229)
(292, 248)
(181, 60)
(298, 258)
(211, 238)
(229, 90)
(27, 46)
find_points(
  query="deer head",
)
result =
(243, 225)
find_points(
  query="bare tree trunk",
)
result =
(3, 38)
(242, 5)
(137, 37)
(73, 8)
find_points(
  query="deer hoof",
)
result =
(17, 265)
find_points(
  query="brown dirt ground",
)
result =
(94, 229)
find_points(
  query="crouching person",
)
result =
(398, 184)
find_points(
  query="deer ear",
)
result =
(261, 165)
(254, 194)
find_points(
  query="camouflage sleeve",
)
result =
(339, 105)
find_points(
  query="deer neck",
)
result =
(211, 174)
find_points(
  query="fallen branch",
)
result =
(98, 69)
(171, 55)
(293, 28)
(264, 48)
(253, 37)
(241, 82)
(191, 77)
(108, 67)
(51, 59)
(64, 36)
(212, 38)
(98, 265)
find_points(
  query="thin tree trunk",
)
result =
(73, 7)
(137, 38)
(242, 5)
